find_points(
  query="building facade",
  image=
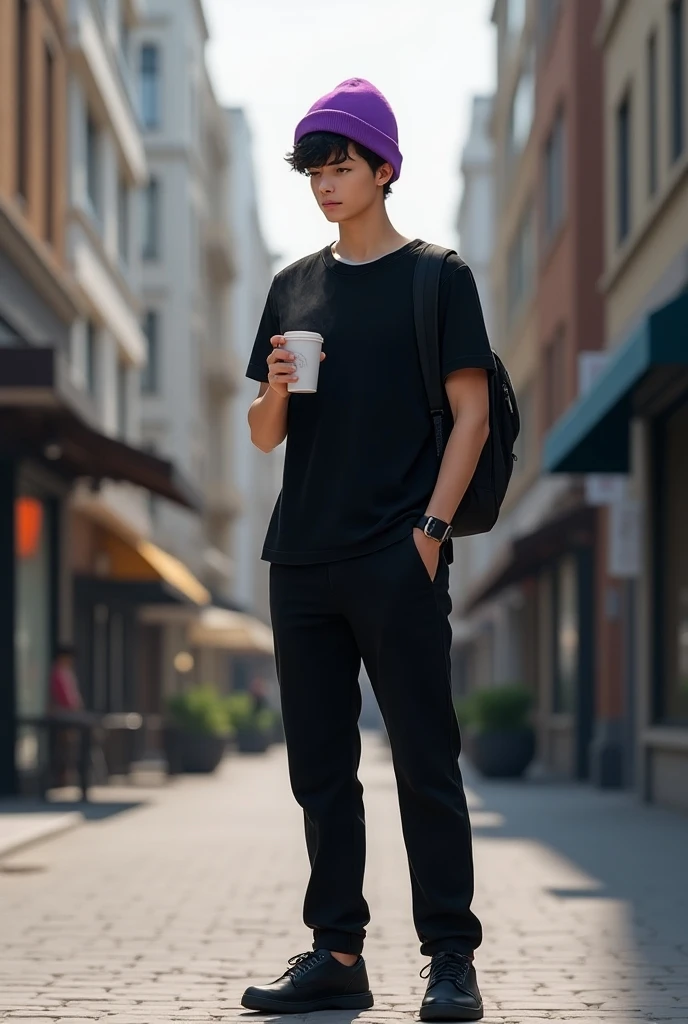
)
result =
(188, 264)
(37, 306)
(70, 348)
(529, 615)
(631, 429)
(476, 230)
(187, 268)
(257, 474)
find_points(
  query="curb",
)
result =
(30, 829)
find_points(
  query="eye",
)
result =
(343, 170)
(312, 174)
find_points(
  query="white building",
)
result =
(476, 225)
(107, 167)
(257, 474)
(187, 268)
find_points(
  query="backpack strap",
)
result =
(426, 295)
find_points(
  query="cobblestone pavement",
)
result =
(164, 911)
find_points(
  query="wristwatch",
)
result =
(435, 529)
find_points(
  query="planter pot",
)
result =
(192, 752)
(502, 753)
(252, 741)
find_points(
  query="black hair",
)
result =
(316, 149)
(65, 650)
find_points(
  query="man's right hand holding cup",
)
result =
(281, 366)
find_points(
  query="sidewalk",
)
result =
(23, 822)
(164, 912)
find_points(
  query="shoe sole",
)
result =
(357, 1001)
(445, 1011)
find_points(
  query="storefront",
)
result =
(48, 439)
(634, 421)
(542, 591)
(31, 503)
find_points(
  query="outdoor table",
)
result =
(85, 723)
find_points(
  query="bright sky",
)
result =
(276, 57)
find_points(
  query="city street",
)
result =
(164, 909)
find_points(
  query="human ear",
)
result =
(384, 174)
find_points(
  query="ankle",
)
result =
(348, 959)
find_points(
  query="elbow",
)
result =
(262, 446)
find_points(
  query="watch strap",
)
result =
(434, 528)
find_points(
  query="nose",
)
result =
(325, 187)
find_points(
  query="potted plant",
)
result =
(501, 740)
(253, 727)
(196, 731)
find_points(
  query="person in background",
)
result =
(258, 690)
(64, 689)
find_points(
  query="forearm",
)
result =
(461, 455)
(267, 420)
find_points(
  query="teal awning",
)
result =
(593, 436)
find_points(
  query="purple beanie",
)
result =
(359, 111)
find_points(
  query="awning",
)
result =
(42, 415)
(134, 560)
(231, 631)
(643, 373)
(525, 556)
(173, 572)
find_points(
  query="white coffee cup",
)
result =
(306, 346)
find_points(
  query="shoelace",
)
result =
(302, 962)
(452, 967)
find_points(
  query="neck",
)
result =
(369, 236)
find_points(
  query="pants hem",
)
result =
(447, 946)
(338, 942)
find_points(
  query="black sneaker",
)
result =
(313, 981)
(452, 992)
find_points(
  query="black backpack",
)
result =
(479, 508)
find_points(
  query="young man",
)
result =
(354, 576)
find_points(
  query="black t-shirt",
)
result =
(361, 462)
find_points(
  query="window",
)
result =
(49, 144)
(150, 374)
(522, 107)
(676, 82)
(623, 169)
(652, 146)
(33, 589)
(672, 615)
(566, 636)
(521, 263)
(122, 398)
(151, 220)
(555, 378)
(150, 86)
(548, 15)
(22, 107)
(91, 357)
(123, 220)
(515, 17)
(92, 163)
(125, 41)
(555, 177)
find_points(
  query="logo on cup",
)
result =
(301, 361)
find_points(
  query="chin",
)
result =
(335, 214)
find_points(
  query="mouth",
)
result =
(328, 206)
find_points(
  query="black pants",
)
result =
(385, 609)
